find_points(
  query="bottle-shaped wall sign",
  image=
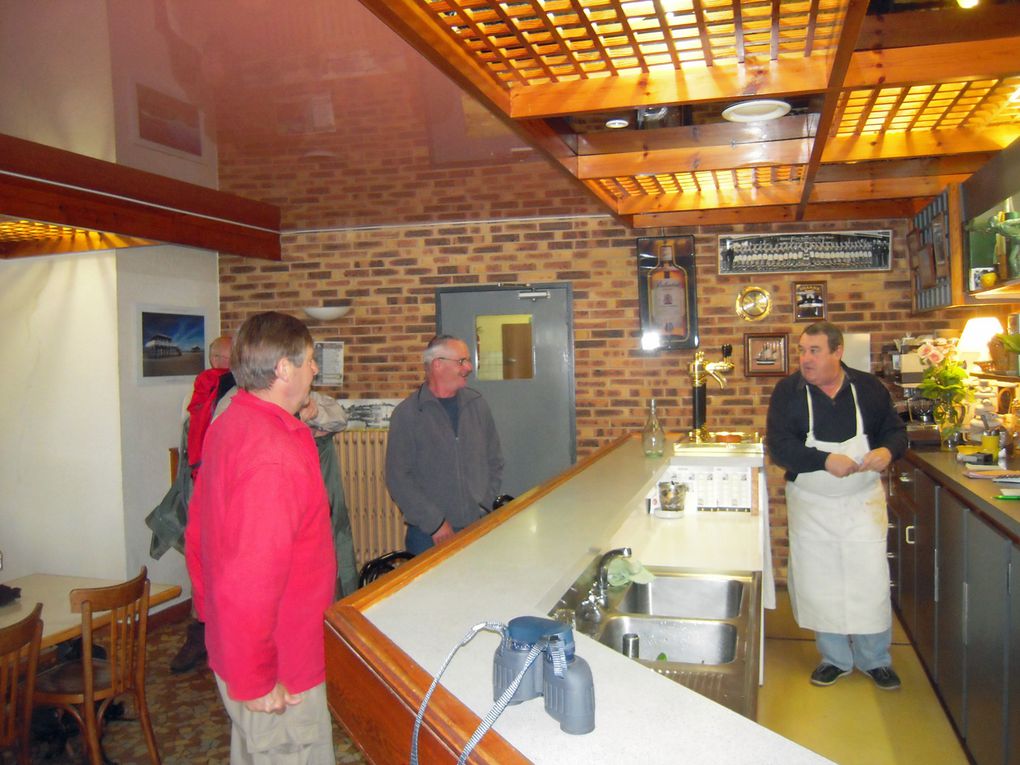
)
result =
(667, 290)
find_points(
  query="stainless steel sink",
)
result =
(687, 595)
(699, 629)
(686, 641)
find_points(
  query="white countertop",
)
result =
(524, 565)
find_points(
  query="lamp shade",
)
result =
(973, 345)
(326, 312)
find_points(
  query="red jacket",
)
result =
(259, 550)
(200, 411)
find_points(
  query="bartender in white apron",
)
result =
(824, 421)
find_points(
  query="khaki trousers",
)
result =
(302, 735)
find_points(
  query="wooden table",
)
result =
(59, 623)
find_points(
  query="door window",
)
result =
(505, 347)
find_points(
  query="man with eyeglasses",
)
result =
(444, 464)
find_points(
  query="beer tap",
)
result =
(699, 371)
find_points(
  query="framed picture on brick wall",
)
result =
(667, 293)
(809, 301)
(766, 355)
(809, 251)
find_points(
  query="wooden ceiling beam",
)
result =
(946, 24)
(718, 134)
(852, 19)
(694, 84)
(930, 64)
(30, 198)
(932, 143)
(71, 189)
(883, 188)
(711, 199)
(732, 216)
(790, 152)
(904, 168)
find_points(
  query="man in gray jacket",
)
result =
(444, 463)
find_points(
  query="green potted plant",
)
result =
(946, 383)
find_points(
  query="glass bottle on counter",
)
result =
(653, 439)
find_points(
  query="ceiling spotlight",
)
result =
(758, 110)
(616, 123)
(967, 4)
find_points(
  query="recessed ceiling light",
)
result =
(758, 110)
(967, 4)
(616, 123)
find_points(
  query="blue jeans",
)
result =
(417, 541)
(865, 652)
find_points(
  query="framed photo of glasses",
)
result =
(766, 355)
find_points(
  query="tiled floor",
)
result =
(851, 722)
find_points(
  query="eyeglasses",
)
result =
(460, 362)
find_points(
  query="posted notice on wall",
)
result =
(329, 357)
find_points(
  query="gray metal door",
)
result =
(532, 399)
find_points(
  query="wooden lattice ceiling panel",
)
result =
(658, 184)
(969, 104)
(528, 42)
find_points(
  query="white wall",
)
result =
(61, 507)
(55, 75)
(181, 280)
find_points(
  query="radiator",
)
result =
(377, 523)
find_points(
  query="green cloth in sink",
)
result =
(623, 570)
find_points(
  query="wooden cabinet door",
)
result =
(987, 627)
(950, 630)
(903, 515)
(927, 494)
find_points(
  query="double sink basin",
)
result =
(698, 629)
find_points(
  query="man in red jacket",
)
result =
(260, 551)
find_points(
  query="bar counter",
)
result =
(385, 642)
(979, 493)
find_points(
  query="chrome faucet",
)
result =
(602, 578)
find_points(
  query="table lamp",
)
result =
(973, 345)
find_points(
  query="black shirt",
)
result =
(834, 420)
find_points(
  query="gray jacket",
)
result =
(434, 474)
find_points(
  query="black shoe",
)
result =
(827, 674)
(885, 678)
(192, 653)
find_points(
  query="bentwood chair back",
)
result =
(85, 687)
(19, 656)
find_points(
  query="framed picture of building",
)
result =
(667, 293)
(172, 343)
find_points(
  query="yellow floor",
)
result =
(851, 722)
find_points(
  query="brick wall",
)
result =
(391, 275)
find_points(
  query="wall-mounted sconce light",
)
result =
(326, 312)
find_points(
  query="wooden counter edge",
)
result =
(374, 689)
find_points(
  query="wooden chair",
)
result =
(85, 687)
(19, 655)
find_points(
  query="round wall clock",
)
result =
(754, 303)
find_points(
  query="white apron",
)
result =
(839, 572)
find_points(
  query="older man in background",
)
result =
(444, 464)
